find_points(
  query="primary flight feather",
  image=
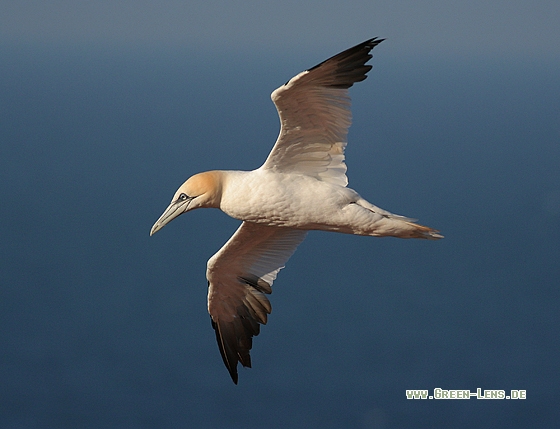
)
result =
(301, 186)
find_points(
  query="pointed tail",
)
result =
(421, 231)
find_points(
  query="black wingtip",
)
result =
(367, 45)
(350, 65)
(231, 366)
(235, 335)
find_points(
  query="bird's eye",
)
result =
(182, 197)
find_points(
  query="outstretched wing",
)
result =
(239, 276)
(314, 110)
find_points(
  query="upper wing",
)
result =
(314, 110)
(239, 276)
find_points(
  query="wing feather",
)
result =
(314, 111)
(240, 275)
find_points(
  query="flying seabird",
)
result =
(301, 186)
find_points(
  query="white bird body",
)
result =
(293, 200)
(301, 186)
(283, 199)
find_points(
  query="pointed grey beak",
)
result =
(176, 208)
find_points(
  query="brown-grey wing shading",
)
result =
(314, 111)
(240, 275)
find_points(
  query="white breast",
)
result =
(283, 199)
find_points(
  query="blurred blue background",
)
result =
(107, 107)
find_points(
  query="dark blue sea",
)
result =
(102, 326)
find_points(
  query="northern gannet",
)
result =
(301, 186)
